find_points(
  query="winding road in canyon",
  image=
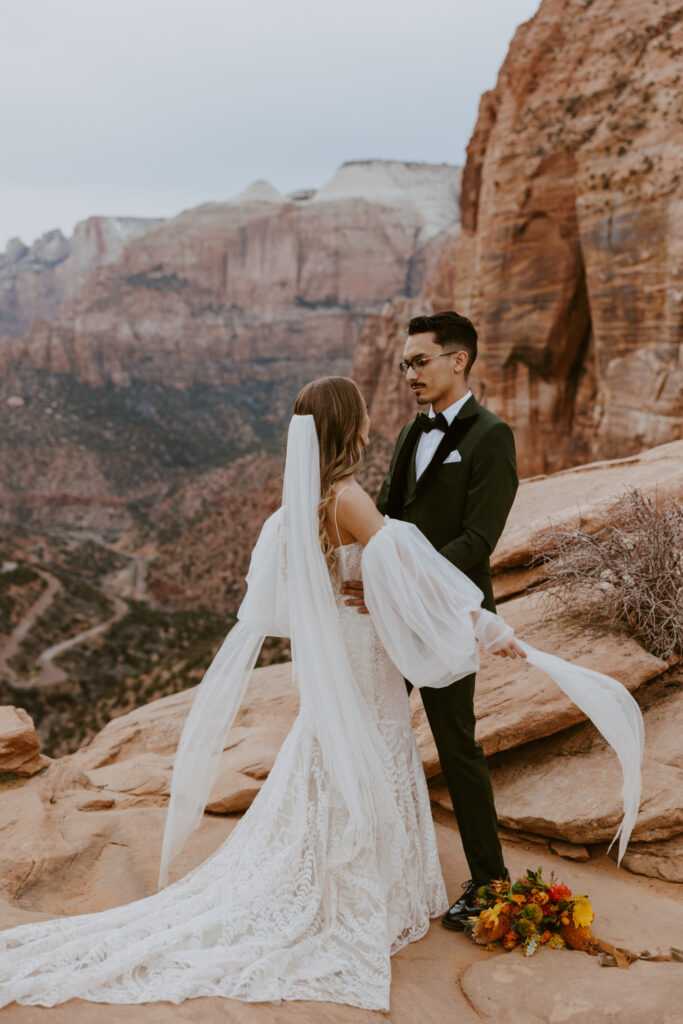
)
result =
(48, 673)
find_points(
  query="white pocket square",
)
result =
(454, 456)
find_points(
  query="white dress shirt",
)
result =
(428, 443)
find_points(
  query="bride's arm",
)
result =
(358, 515)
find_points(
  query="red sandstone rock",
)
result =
(235, 291)
(581, 496)
(36, 280)
(570, 252)
(19, 744)
(375, 367)
(571, 249)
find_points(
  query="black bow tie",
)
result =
(427, 423)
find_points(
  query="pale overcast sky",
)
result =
(148, 107)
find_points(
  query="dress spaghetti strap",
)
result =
(341, 491)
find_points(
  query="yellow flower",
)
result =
(582, 912)
(556, 941)
(518, 897)
(541, 898)
(489, 917)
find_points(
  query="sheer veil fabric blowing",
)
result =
(334, 867)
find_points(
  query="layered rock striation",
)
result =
(36, 280)
(263, 285)
(186, 350)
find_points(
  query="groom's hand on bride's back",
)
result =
(356, 595)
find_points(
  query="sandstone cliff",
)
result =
(570, 254)
(263, 284)
(36, 280)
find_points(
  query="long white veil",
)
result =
(289, 593)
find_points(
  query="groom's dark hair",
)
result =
(449, 328)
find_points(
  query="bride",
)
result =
(335, 866)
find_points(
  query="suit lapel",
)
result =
(450, 440)
(394, 504)
(411, 472)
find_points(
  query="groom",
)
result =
(453, 474)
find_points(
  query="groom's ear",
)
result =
(460, 362)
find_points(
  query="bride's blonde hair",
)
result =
(338, 411)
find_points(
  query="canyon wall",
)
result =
(36, 280)
(265, 280)
(570, 254)
(186, 348)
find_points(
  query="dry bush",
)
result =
(631, 569)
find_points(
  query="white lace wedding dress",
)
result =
(277, 911)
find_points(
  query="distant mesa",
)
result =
(95, 236)
(260, 191)
(48, 250)
(16, 250)
(36, 280)
(194, 326)
(432, 191)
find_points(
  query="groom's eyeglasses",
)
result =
(419, 361)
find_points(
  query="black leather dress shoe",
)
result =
(462, 909)
(465, 907)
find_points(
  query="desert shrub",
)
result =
(631, 569)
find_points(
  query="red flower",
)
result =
(559, 892)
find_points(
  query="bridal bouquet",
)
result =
(531, 913)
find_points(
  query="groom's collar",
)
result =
(452, 411)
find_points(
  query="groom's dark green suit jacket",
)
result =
(460, 506)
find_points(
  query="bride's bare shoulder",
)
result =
(350, 491)
(357, 512)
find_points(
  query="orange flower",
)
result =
(510, 939)
(491, 924)
(541, 898)
(578, 938)
(559, 892)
